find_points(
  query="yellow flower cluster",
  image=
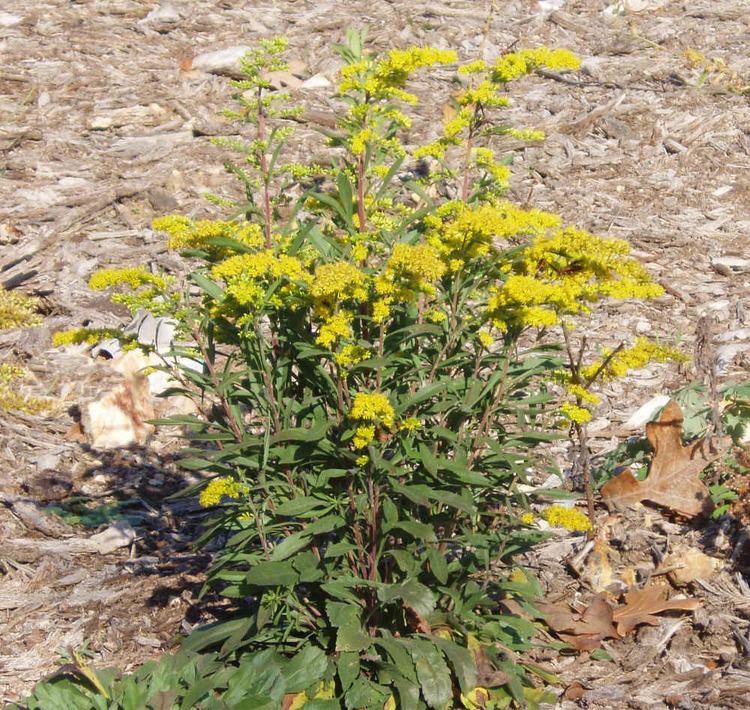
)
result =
(571, 411)
(184, 233)
(363, 436)
(10, 372)
(561, 273)
(12, 400)
(582, 394)
(339, 325)
(484, 94)
(516, 64)
(17, 310)
(641, 354)
(359, 140)
(373, 407)
(568, 518)
(249, 277)
(134, 277)
(474, 67)
(147, 290)
(218, 488)
(384, 79)
(460, 232)
(524, 134)
(85, 336)
(410, 424)
(351, 355)
(485, 338)
(411, 269)
(339, 281)
(484, 158)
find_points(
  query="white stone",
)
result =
(8, 20)
(318, 81)
(733, 264)
(646, 413)
(164, 13)
(222, 61)
(119, 534)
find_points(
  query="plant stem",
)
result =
(210, 366)
(362, 216)
(264, 171)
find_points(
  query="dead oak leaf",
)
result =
(642, 605)
(584, 631)
(673, 475)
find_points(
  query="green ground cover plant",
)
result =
(376, 365)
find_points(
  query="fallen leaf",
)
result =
(642, 605)
(584, 631)
(575, 691)
(487, 675)
(673, 475)
(689, 565)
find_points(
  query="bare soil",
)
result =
(106, 126)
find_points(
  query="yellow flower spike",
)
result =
(641, 354)
(219, 488)
(87, 336)
(518, 576)
(18, 310)
(390, 704)
(372, 407)
(380, 310)
(485, 338)
(339, 281)
(351, 355)
(574, 413)
(580, 392)
(335, 327)
(568, 518)
(515, 64)
(134, 277)
(475, 67)
(527, 518)
(410, 424)
(363, 437)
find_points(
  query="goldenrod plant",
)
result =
(373, 389)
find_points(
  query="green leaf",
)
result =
(210, 635)
(438, 565)
(432, 672)
(462, 661)
(411, 593)
(365, 694)
(304, 669)
(419, 531)
(351, 637)
(299, 506)
(348, 667)
(210, 287)
(272, 574)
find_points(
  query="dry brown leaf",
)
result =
(641, 606)
(673, 476)
(689, 565)
(585, 631)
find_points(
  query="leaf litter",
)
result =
(672, 480)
